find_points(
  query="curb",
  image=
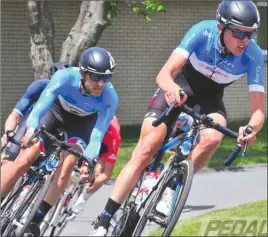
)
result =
(233, 168)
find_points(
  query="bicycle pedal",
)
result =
(158, 219)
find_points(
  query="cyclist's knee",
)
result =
(146, 148)
(211, 141)
(26, 157)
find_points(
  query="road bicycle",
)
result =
(177, 176)
(27, 198)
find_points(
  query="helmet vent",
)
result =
(237, 21)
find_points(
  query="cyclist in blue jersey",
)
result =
(16, 121)
(84, 103)
(212, 55)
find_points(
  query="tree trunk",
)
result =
(42, 37)
(91, 22)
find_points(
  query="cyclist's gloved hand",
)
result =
(250, 137)
(173, 94)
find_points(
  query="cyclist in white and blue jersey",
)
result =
(212, 55)
(84, 102)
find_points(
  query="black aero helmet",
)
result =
(57, 66)
(97, 60)
(241, 13)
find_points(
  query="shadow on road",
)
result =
(232, 169)
(189, 208)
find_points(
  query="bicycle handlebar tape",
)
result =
(165, 114)
(232, 156)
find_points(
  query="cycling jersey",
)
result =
(65, 86)
(30, 96)
(201, 47)
(112, 142)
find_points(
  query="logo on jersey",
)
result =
(207, 34)
(258, 68)
(72, 108)
(111, 158)
(24, 102)
(49, 90)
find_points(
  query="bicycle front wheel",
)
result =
(181, 179)
(38, 193)
(187, 170)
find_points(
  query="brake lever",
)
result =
(247, 131)
(244, 150)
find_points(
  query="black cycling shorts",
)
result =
(211, 103)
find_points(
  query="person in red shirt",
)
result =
(104, 169)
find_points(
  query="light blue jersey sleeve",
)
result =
(255, 74)
(193, 38)
(46, 100)
(105, 116)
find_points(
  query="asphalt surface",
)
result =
(211, 190)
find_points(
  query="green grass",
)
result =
(252, 214)
(255, 154)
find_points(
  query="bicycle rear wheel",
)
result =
(183, 176)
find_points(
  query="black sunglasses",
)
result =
(99, 77)
(238, 34)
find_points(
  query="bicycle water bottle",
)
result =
(184, 122)
(51, 163)
(147, 184)
(81, 201)
(20, 198)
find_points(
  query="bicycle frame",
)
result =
(171, 144)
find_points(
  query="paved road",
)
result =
(211, 190)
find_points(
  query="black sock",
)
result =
(41, 212)
(108, 212)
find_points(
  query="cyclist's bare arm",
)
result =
(165, 78)
(10, 125)
(256, 99)
(12, 121)
(103, 173)
(257, 119)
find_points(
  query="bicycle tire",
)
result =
(181, 200)
(10, 194)
(37, 197)
(188, 171)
